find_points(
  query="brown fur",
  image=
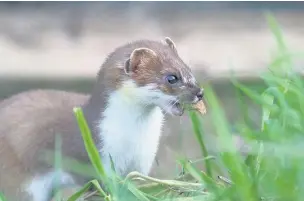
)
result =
(29, 123)
(157, 60)
(30, 120)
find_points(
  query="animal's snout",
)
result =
(192, 95)
(200, 94)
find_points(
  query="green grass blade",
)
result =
(2, 198)
(199, 137)
(266, 111)
(91, 149)
(252, 94)
(86, 187)
(80, 192)
(276, 31)
(230, 156)
(137, 193)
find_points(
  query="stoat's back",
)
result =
(29, 121)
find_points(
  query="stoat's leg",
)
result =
(43, 187)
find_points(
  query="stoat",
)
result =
(136, 86)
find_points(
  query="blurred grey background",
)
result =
(61, 45)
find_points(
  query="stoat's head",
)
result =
(161, 77)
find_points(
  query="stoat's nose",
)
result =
(200, 94)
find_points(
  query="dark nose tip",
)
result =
(200, 94)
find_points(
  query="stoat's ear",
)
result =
(171, 44)
(139, 57)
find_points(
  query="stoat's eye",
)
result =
(172, 79)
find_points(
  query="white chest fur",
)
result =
(130, 132)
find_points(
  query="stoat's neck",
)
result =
(93, 108)
(106, 83)
(129, 129)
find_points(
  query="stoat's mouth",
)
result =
(177, 109)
